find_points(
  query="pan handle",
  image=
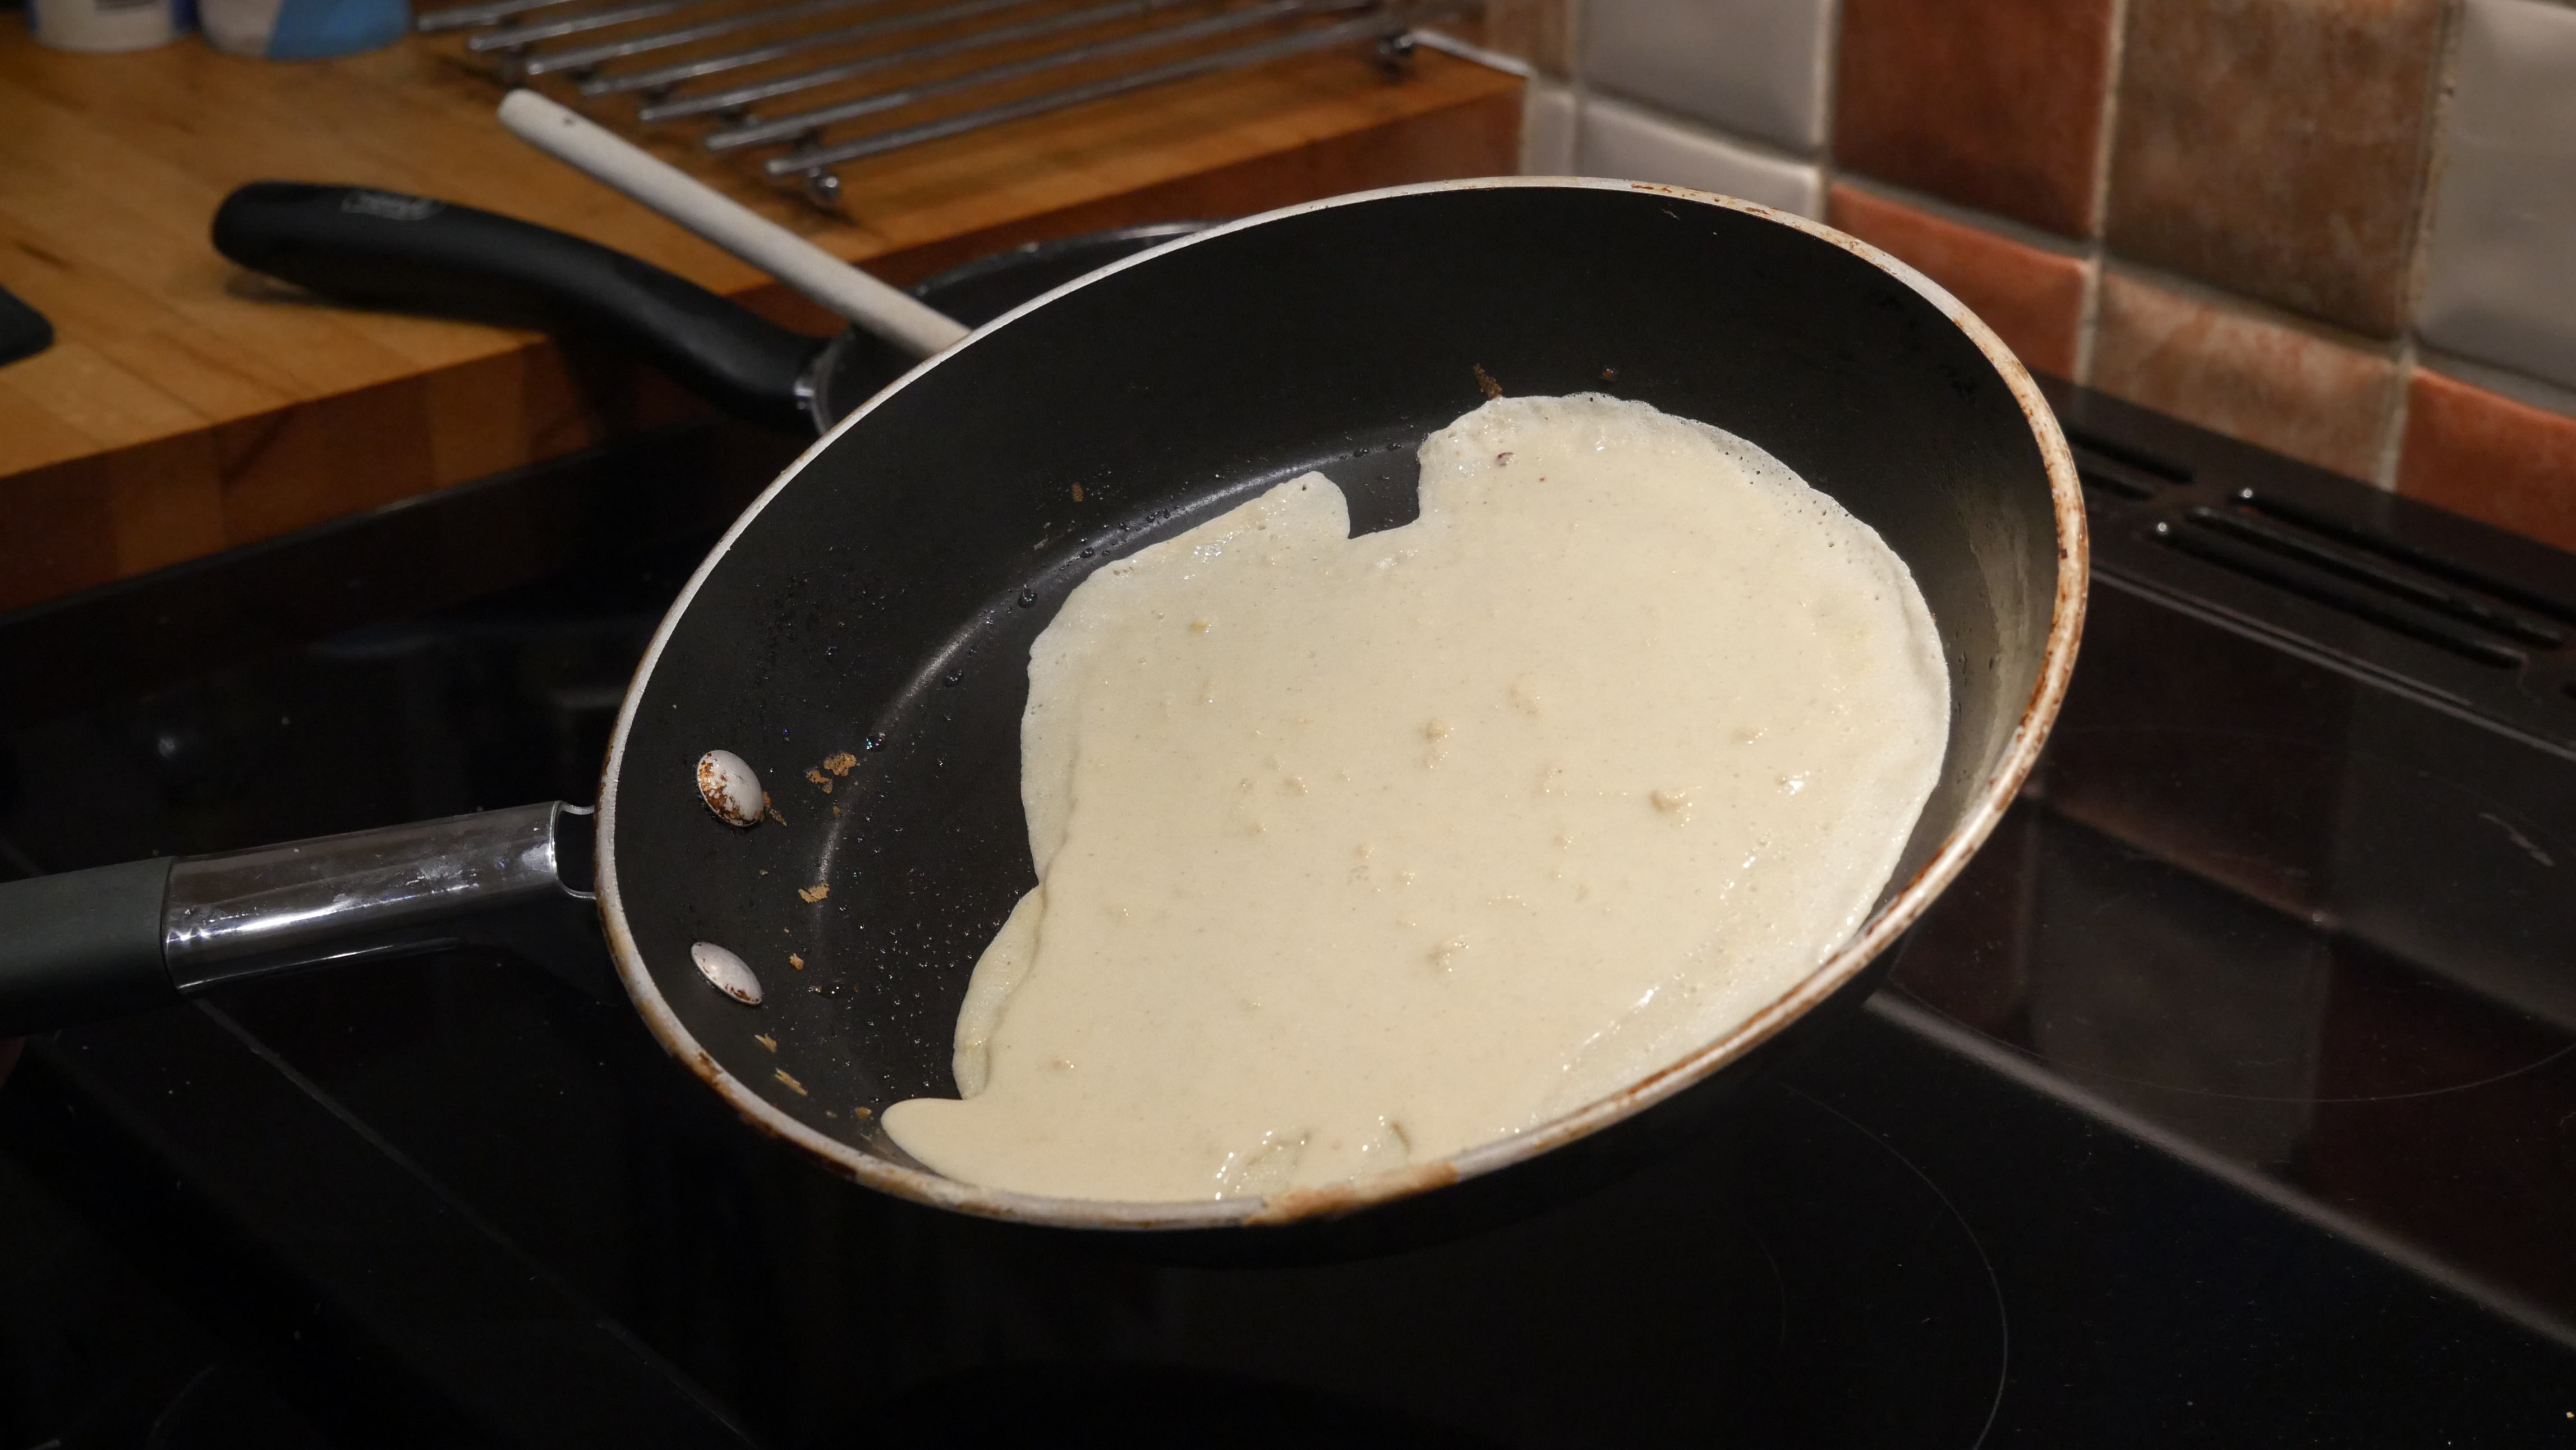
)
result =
(85, 945)
(415, 254)
(898, 317)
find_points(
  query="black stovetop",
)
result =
(2228, 1099)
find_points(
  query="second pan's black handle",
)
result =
(414, 254)
(83, 945)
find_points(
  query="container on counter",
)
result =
(105, 25)
(302, 29)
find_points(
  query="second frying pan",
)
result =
(407, 253)
(879, 600)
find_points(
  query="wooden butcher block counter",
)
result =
(187, 407)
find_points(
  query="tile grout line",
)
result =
(2010, 229)
(1694, 126)
(1536, 79)
(1819, 160)
(2088, 317)
(2392, 427)
(2505, 382)
(2419, 242)
(1578, 85)
(2254, 309)
(1829, 56)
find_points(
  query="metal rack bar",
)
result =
(744, 95)
(665, 76)
(658, 50)
(510, 37)
(461, 17)
(1378, 27)
(607, 50)
(790, 128)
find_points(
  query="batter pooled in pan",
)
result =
(1355, 853)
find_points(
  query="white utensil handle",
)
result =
(604, 156)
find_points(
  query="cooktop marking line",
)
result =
(1985, 1261)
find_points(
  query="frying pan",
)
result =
(418, 254)
(380, 248)
(879, 600)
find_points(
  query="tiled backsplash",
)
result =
(2343, 229)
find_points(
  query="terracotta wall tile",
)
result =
(2278, 147)
(1994, 103)
(2490, 457)
(2260, 380)
(2033, 299)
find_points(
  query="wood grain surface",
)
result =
(187, 406)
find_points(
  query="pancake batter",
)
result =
(1356, 853)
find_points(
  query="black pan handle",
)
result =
(415, 254)
(82, 945)
(85, 945)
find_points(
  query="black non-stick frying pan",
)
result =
(879, 600)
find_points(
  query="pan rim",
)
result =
(1984, 809)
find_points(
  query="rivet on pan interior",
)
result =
(731, 788)
(730, 974)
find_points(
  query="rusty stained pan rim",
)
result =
(1876, 934)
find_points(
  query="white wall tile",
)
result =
(1622, 141)
(1547, 130)
(2501, 284)
(1752, 66)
